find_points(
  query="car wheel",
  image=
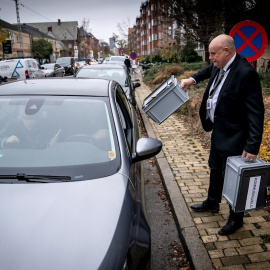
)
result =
(54, 75)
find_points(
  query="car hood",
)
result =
(59, 225)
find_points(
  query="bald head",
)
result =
(224, 41)
(221, 50)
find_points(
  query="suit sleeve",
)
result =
(203, 74)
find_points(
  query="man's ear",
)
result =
(227, 50)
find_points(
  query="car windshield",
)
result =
(71, 136)
(61, 61)
(104, 73)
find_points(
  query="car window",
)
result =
(124, 115)
(118, 75)
(53, 133)
(63, 61)
(32, 64)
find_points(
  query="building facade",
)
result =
(65, 32)
(13, 37)
(152, 29)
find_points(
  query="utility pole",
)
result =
(19, 27)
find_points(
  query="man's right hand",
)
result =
(186, 83)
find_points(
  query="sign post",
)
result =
(250, 39)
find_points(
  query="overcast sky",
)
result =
(103, 15)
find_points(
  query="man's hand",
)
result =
(248, 156)
(186, 83)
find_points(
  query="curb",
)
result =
(187, 230)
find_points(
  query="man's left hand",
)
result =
(248, 156)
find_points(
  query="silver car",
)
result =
(117, 72)
(71, 192)
(53, 70)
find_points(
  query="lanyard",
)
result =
(219, 79)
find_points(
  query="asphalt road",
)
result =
(167, 251)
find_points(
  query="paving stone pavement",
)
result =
(183, 164)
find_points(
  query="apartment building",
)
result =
(88, 44)
(152, 29)
(65, 32)
(28, 34)
(13, 37)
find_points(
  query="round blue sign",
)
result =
(133, 55)
(250, 39)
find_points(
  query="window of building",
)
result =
(150, 39)
(160, 35)
(149, 12)
(153, 7)
(143, 11)
(154, 37)
(149, 25)
(143, 33)
(154, 22)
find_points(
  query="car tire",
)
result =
(54, 75)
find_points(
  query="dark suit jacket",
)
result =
(239, 113)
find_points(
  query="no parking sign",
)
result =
(133, 55)
(250, 39)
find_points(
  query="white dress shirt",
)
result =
(216, 94)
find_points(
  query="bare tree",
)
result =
(84, 42)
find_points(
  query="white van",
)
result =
(20, 69)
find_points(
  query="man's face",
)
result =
(217, 55)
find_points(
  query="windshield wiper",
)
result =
(36, 178)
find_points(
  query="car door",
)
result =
(57, 70)
(129, 121)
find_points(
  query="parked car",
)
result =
(71, 193)
(87, 60)
(20, 69)
(53, 70)
(69, 63)
(115, 72)
(81, 64)
(100, 60)
(94, 61)
(116, 59)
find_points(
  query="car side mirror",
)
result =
(136, 84)
(146, 148)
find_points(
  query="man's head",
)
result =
(221, 50)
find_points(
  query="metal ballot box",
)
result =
(245, 183)
(164, 100)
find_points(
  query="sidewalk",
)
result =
(183, 164)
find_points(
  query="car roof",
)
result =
(106, 66)
(55, 86)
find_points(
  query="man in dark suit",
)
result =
(232, 108)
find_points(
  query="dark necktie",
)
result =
(212, 92)
(218, 81)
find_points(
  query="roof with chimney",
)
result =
(59, 30)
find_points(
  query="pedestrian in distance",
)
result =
(232, 108)
(127, 63)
